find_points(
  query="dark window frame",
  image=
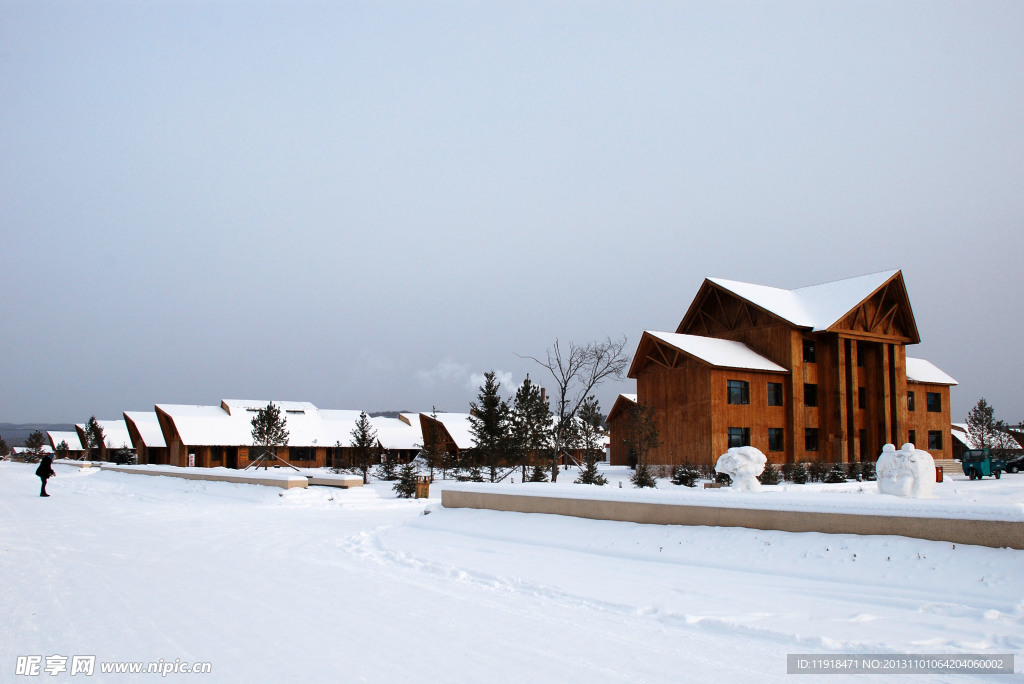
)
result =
(810, 351)
(776, 439)
(775, 394)
(911, 403)
(935, 440)
(912, 437)
(811, 442)
(810, 394)
(739, 437)
(862, 397)
(302, 454)
(934, 402)
(738, 390)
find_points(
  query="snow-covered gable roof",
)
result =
(920, 370)
(716, 352)
(1002, 440)
(148, 426)
(71, 438)
(393, 433)
(817, 307)
(44, 449)
(458, 427)
(115, 434)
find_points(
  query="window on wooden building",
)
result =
(860, 355)
(776, 439)
(934, 400)
(862, 397)
(810, 394)
(739, 436)
(910, 401)
(301, 454)
(216, 454)
(810, 439)
(775, 394)
(810, 352)
(912, 437)
(739, 391)
(935, 440)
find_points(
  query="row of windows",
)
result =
(740, 436)
(811, 352)
(738, 392)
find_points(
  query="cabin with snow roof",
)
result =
(115, 438)
(212, 436)
(147, 437)
(618, 425)
(71, 439)
(818, 373)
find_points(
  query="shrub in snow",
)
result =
(908, 472)
(742, 465)
(472, 474)
(406, 485)
(818, 471)
(853, 470)
(770, 475)
(787, 471)
(538, 474)
(800, 474)
(867, 471)
(643, 477)
(685, 475)
(837, 474)
(722, 478)
(589, 475)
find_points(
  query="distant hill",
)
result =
(15, 434)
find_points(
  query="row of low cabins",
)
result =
(210, 436)
(818, 373)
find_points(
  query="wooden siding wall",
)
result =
(757, 416)
(681, 398)
(921, 420)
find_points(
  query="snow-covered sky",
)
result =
(367, 205)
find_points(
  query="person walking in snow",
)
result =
(45, 472)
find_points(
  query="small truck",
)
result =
(979, 463)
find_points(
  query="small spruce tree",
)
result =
(34, 443)
(818, 470)
(387, 469)
(61, 450)
(405, 487)
(93, 441)
(685, 475)
(853, 470)
(364, 445)
(868, 471)
(836, 474)
(538, 474)
(800, 474)
(268, 432)
(787, 472)
(770, 474)
(591, 435)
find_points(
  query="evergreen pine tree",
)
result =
(853, 470)
(5, 450)
(61, 450)
(591, 437)
(868, 471)
(531, 426)
(800, 474)
(387, 469)
(364, 446)
(787, 472)
(685, 475)
(489, 423)
(643, 476)
(538, 474)
(817, 471)
(268, 432)
(405, 487)
(34, 443)
(93, 440)
(836, 474)
(770, 474)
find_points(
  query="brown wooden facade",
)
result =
(842, 399)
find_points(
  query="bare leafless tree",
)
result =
(577, 370)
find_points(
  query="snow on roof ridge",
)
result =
(923, 370)
(718, 352)
(813, 306)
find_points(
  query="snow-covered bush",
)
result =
(685, 475)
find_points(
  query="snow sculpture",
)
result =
(743, 465)
(908, 472)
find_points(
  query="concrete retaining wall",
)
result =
(282, 481)
(343, 481)
(994, 533)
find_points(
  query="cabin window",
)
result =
(257, 451)
(739, 437)
(810, 439)
(810, 352)
(301, 454)
(935, 440)
(776, 439)
(862, 397)
(775, 394)
(910, 401)
(934, 402)
(739, 392)
(810, 394)
(216, 454)
(912, 437)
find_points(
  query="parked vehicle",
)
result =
(1015, 464)
(979, 463)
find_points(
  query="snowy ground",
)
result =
(354, 585)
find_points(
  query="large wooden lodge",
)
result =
(818, 373)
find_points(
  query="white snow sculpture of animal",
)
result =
(908, 472)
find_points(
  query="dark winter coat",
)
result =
(45, 469)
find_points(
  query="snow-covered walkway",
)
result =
(328, 585)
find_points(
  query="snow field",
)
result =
(355, 585)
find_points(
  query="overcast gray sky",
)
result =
(364, 204)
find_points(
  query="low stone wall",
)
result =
(994, 533)
(282, 481)
(343, 481)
